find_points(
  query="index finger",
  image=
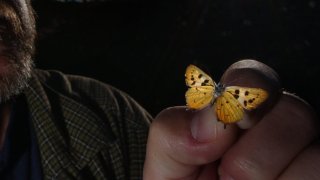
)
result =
(265, 150)
(253, 74)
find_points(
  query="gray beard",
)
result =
(15, 79)
(17, 46)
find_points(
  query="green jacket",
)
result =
(86, 129)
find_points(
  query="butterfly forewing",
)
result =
(249, 98)
(228, 109)
(196, 77)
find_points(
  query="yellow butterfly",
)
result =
(229, 102)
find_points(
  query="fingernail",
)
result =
(223, 175)
(204, 125)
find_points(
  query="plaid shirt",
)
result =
(86, 129)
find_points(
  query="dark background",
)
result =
(143, 47)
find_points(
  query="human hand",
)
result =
(281, 143)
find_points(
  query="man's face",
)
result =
(17, 33)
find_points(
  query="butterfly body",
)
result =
(228, 102)
(219, 88)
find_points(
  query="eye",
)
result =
(3, 28)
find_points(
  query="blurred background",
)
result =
(143, 47)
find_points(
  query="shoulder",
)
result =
(93, 117)
(94, 94)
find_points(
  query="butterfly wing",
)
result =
(249, 98)
(195, 77)
(201, 88)
(199, 97)
(228, 109)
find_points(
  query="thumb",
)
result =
(181, 142)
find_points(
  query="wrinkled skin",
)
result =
(17, 34)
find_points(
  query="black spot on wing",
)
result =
(246, 93)
(252, 100)
(200, 75)
(236, 96)
(237, 91)
(205, 82)
(245, 103)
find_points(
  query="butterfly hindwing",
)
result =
(228, 109)
(249, 98)
(199, 97)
